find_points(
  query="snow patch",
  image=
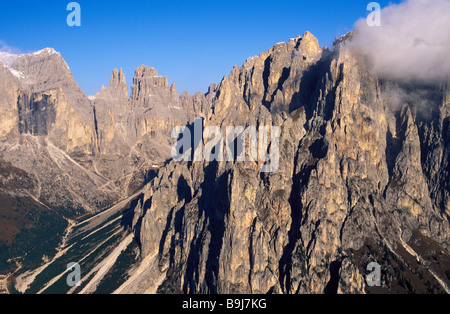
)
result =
(9, 60)
(17, 74)
(49, 51)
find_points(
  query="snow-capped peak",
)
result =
(10, 61)
(49, 51)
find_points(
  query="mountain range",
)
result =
(363, 177)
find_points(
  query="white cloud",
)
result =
(4, 47)
(412, 43)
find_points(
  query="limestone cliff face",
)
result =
(137, 131)
(154, 105)
(49, 130)
(10, 117)
(198, 105)
(151, 90)
(359, 181)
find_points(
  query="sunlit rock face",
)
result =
(361, 179)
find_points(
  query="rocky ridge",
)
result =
(358, 181)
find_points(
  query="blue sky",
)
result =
(194, 43)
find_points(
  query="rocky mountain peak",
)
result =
(117, 89)
(148, 77)
(145, 71)
(41, 70)
(151, 90)
(117, 78)
(309, 44)
(45, 51)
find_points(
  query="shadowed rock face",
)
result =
(360, 180)
(36, 114)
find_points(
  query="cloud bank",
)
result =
(4, 47)
(412, 43)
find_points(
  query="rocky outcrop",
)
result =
(198, 105)
(358, 181)
(151, 90)
(137, 130)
